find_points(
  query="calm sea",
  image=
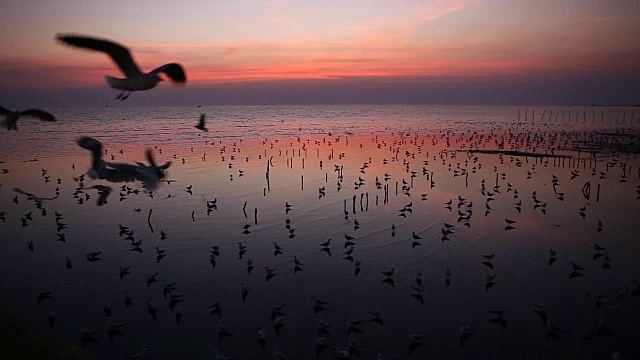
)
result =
(172, 127)
(377, 174)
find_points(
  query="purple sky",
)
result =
(347, 51)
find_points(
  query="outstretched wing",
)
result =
(40, 114)
(118, 53)
(150, 158)
(4, 112)
(174, 71)
(159, 169)
(22, 192)
(89, 143)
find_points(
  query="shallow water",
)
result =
(393, 140)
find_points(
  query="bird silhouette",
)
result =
(11, 117)
(135, 79)
(202, 122)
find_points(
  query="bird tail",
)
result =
(116, 83)
(110, 80)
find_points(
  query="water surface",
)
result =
(385, 144)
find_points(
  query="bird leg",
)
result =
(119, 96)
(126, 96)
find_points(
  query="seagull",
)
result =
(124, 271)
(389, 273)
(271, 272)
(201, 123)
(416, 341)
(151, 308)
(149, 175)
(249, 265)
(135, 79)
(87, 336)
(224, 331)
(215, 309)
(340, 354)
(321, 344)
(94, 256)
(221, 357)
(319, 306)
(128, 300)
(279, 355)
(11, 117)
(245, 291)
(499, 312)
(465, 333)
(262, 337)
(151, 278)
(44, 296)
(51, 316)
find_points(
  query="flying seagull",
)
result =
(135, 79)
(11, 117)
(150, 175)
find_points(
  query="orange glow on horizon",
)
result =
(83, 71)
(432, 40)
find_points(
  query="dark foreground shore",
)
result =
(20, 338)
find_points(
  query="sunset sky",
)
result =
(330, 51)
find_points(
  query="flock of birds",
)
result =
(423, 160)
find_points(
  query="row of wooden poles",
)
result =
(560, 116)
(557, 162)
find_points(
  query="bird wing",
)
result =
(40, 114)
(20, 191)
(36, 198)
(174, 71)
(49, 198)
(152, 161)
(150, 158)
(4, 112)
(118, 53)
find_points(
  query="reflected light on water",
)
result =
(397, 168)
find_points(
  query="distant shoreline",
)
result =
(608, 105)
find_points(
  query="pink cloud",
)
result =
(433, 10)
